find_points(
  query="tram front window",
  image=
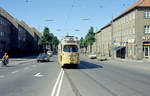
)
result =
(70, 48)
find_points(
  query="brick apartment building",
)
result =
(16, 37)
(128, 36)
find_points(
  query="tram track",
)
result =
(97, 82)
(74, 88)
(94, 80)
(108, 89)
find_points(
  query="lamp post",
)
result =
(85, 19)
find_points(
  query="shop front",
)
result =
(146, 46)
(146, 50)
(119, 51)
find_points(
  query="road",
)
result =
(92, 78)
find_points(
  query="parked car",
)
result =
(92, 56)
(50, 53)
(43, 57)
(101, 57)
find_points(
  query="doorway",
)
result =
(146, 51)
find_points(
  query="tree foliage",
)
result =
(48, 40)
(90, 36)
(81, 42)
(88, 40)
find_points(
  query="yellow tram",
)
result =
(68, 51)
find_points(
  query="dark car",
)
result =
(43, 57)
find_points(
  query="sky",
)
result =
(67, 15)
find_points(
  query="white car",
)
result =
(50, 53)
(92, 56)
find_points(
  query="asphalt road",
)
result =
(92, 78)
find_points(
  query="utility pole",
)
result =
(112, 37)
(112, 33)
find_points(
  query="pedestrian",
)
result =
(5, 59)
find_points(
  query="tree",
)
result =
(55, 43)
(45, 39)
(48, 40)
(81, 42)
(42, 41)
(90, 38)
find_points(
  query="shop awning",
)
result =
(117, 48)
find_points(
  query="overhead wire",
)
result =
(68, 16)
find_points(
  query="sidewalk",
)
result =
(126, 63)
(130, 60)
(136, 64)
(19, 61)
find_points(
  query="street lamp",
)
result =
(47, 20)
(76, 30)
(85, 19)
(58, 29)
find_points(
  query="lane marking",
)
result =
(14, 72)
(38, 75)
(33, 65)
(54, 88)
(56, 83)
(2, 76)
(60, 84)
(26, 68)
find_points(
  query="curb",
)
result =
(25, 61)
(22, 62)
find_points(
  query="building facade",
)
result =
(127, 35)
(16, 37)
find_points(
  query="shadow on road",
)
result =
(88, 65)
(45, 61)
(10, 66)
(6, 66)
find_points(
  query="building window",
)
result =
(24, 39)
(133, 15)
(130, 17)
(133, 30)
(19, 29)
(146, 13)
(19, 38)
(1, 33)
(147, 29)
(1, 21)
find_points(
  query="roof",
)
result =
(139, 3)
(36, 31)
(8, 17)
(145, 3)
(27, 28)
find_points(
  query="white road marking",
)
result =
(2, 76)
(38, 75)
(57, 82)
(60, 84)
(26, 68)
(33, 65)
(14, 72)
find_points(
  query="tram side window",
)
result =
(70, 48)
